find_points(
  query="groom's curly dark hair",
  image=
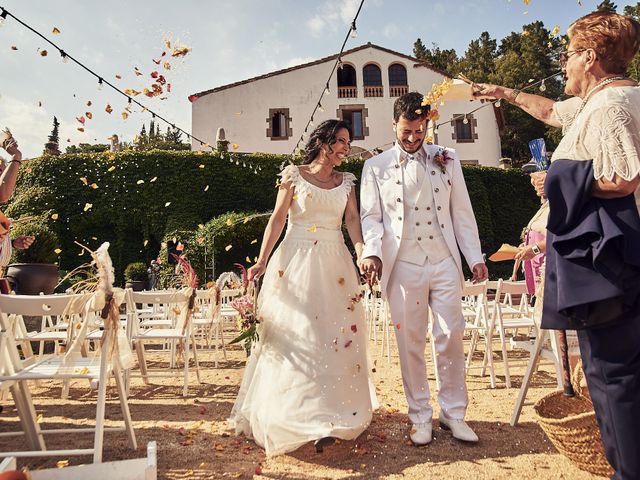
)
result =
(407, 104)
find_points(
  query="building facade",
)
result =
(269, 113)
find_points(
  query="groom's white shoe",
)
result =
(421, 433)
(459, 429)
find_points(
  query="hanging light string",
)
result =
(102, 81)
(353, 33)
(463, 116)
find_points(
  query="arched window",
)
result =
(278, 122)
(372, 79)
(398, 84)
(347, 84)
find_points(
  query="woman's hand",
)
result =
(256, 271)
(537, 180)
(525, 253)
(487, 91)
(22, 242)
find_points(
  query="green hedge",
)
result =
(134, 216)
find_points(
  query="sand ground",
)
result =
(193, 440)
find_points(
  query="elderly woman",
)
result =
(594, 220)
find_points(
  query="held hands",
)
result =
(537, 180)
(480, 273)
(371, 268)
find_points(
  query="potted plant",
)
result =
(34, 270)
(136, 276)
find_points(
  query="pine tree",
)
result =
(143, 139)
(158, 134)
(478, 62)
(152, 131)
(419, 50)
(607, 6)
(52, 147)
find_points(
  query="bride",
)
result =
(307, 378)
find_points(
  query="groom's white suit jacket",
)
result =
(382, 208)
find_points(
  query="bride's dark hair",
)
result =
(324, 133)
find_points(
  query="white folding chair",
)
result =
(180, 336)
(72, 365)
(476, 320)
(507, 318)
(207, 321)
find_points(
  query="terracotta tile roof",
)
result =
(418, 64)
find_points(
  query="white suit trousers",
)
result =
(411, 287)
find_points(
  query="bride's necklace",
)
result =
(601, 83)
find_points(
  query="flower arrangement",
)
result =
(441, 158)
(246, 305)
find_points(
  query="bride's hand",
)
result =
(256, 271)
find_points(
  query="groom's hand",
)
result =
(480, 273)
(371, 267)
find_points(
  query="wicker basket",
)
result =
(570, 424)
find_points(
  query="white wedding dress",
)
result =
(308, 375)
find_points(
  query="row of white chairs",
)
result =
(494, 312)
(186, 321)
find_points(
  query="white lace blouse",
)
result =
(607, 131)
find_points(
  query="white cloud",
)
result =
(390, 30)
(29, 124)
(332, 15)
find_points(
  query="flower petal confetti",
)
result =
(254, 241)
(312, 229)
(354, 328)
(84, 180)
(167, 204)
(55, 31)
(108, 108)
(54, 216)
(111, 168)
(87, 206)
(228, 247)
(43, 53)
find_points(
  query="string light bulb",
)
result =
(543, 87)
(320, 108)
(354, 31)
(3, 17)
(65, 57)
(465, 120)
(498, 103)
(326, 89)
(100, 85)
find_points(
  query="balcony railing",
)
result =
(373, 91)
(347, 92)
(398, 90)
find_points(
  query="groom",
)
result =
(415, 213)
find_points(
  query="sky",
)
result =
(229, 41)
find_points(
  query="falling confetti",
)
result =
(140, 182)
(54, 216)
(87, 206)
(354, 328)
(167, 204)
(144, 244)
(55, 31)
(125, 115)
(62, 463)
(43, 53)
(254, 241)
(111, 168)
(153, 179)
(206, 188)
(94, 186)
(228, 247)
(248, 260)
(89, 103)
(108, 108)
(280, 273)
(13, 47)
(235, 146)
(84, 180)
(89, 115)
(58, 251)
(180, 51)
(312, 229)
(118, 77)
(81, 120)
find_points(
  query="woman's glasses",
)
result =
(564, 56)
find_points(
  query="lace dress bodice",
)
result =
(313, 207)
